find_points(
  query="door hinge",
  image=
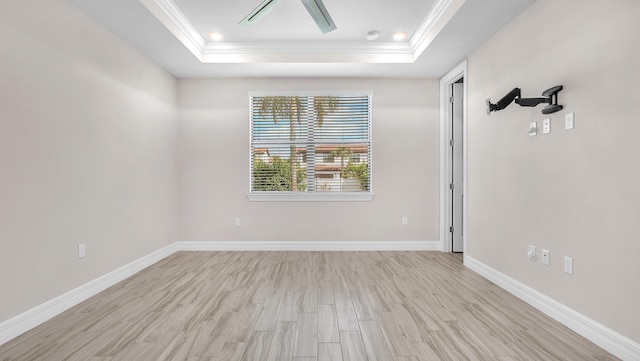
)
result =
(451, 98)
(451, 142)
(451, 186)
(451, 229)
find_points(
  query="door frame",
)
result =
(446, 155)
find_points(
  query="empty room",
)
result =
(319, 180)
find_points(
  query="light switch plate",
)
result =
(532, 253)
(533, 129)
(569, 120)
(568, 265)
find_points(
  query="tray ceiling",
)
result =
(286, 42)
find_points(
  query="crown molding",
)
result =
(168, 13)
(441, 13)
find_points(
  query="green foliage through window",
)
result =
(275, 175)
(359, 172)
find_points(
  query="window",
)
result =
(305, 147)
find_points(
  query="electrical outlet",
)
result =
(81, 250)
(546, 126)
(532, 253)
(405, 221)
(236, 222)
(546, 257)
(568, 265)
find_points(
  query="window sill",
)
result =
(310, 197)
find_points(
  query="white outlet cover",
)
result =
(81, 250)
(546, 126)
(546, 257)
(533, 129)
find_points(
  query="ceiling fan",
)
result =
(316, 9)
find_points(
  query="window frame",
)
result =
(315, 196)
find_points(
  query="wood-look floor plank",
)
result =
(325, 296)
(269, 315)
(374, 341)
(243, 323)
(424, 317)
(340, 289)
(310, 300)
(352, 346)
(180, 348)
(291, 306)
(232, 351)
(406, 322)
(258, 346)
(329, 351)
(400, 345)
(320, 306)
(306, 335)
(424, 352)
(284, 338)
(347, 319)
(362, 306)
(376, 300)
(327, 324)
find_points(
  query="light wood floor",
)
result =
(303, 306)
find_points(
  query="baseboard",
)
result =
(24, 322)
(606, 338)
(310, 246)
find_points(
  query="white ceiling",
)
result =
(289, 21)
(286, 42)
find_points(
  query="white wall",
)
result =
(87, 153)
(214, 166)
(574, 192)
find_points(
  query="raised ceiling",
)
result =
(287, 42)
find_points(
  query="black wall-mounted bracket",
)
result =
(550, 97)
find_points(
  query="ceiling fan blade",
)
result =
(320, 15)
(263, 9)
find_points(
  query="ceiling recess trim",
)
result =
(205, 51)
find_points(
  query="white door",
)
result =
(457, 168)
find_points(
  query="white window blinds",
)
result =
(315, 143)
